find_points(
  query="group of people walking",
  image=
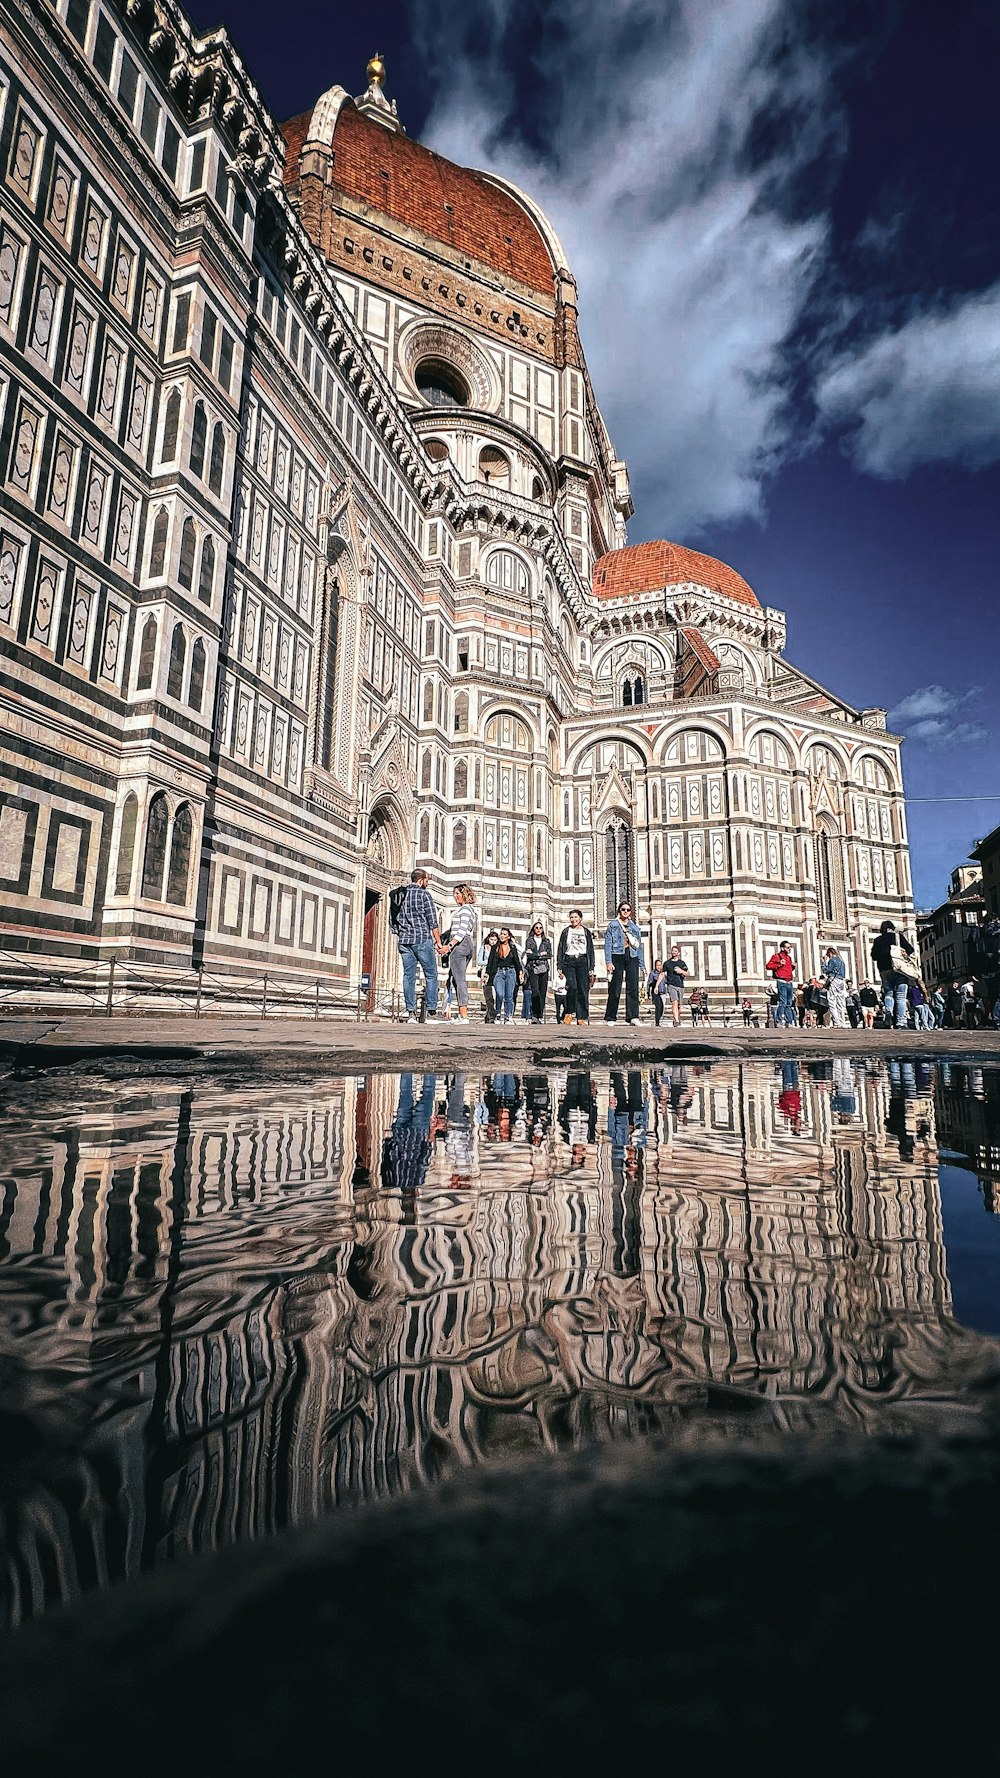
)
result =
(505, 970)
(508, 973)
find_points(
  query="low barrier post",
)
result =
(263, 1006)
(111, 987)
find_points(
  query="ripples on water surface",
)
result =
(228, 1307)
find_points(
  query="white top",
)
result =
(576, 941)
(463, 924)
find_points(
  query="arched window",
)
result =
(425, 770)
(185, 565)
(171, 426)
(619, 866)
(175, 670)
(823, 759)
(506, 570)
(494, 467)
(424, 842)
(158, 546)
(155, 855)
(461, 723)
(180, 857)
(217, 466)
(147, 655)
(196, 683)
(428, 706)
(830, 876)
(639, 692)
(199, 439)
(461, 780)
(627, 692)
(126, 845)
(459, 842)
(206, 574)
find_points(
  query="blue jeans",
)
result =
(894, 991)
(504, 987)
(785, 1014)
(422, 952)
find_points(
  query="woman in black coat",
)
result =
(537, 961)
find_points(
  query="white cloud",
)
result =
(934, 716)
(927, 392)
(692, 266)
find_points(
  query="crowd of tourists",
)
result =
(515, 978)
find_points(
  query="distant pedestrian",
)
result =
(954, 1005)
(653, 990)
(674, 972)
(418, 935)
(868, 1002)
(482, 958)
(835, 980)
(781, 968)
(559, 995)
(623, 958)
(920, 1007)
(938, 1007)
(747, 1011)
(537, 961)
(504, 972)
(575, 957)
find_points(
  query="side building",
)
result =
(313, 561)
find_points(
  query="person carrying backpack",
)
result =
(418, 936)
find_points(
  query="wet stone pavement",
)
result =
(228, 1307)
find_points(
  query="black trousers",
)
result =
(539, 985)
(657, 1000)
(626, 968)
(577, 973)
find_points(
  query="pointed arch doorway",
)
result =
(385, 863)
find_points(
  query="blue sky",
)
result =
(784, 219)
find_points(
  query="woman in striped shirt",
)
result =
(462, 946)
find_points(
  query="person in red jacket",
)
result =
(781, 967)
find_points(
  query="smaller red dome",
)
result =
(645, 567)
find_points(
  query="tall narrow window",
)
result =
(180, 857)
(185, 564)
(196, 684)
(155, 855)
(423, 844)
(428, 706)
(206, 576)
(462, 713)
(627, 692)
(619, 866)
(178, 656)
(461, 780)
(217, 467)
(199, 439)
(459, 842)
(830, 878)
(126, 846)
(147, 655)
(171, 425)
(158, 547)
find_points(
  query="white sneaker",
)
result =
(635, 1021)
(611, 1021)
(411, 1019)
(461, 1018)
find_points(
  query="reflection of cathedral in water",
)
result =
(342, 1289)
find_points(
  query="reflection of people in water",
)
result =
(790, 1098)
(503, 1102)
(843, 1099)
(406, 1151)
(458, 1136)
(577, 1117)
(902, 1087)
(626, 1121)
(537, 1108)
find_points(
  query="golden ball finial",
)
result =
(376, 70)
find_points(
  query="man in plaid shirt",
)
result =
(419, 940)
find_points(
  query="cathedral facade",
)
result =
(313, 562)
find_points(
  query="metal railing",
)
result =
(119, 987)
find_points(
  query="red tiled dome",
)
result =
(420, 189)
(644, 567)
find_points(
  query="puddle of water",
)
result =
(227, 1308)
